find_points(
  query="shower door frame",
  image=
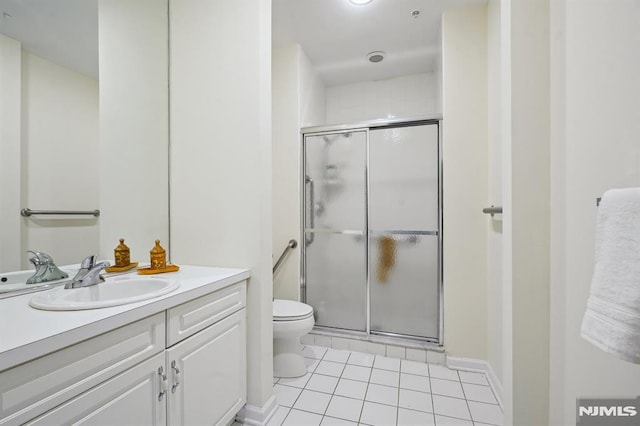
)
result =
(366, 127)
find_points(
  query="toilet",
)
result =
(291, 321)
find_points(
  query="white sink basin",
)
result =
(114, 291)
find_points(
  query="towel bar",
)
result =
(28, 212)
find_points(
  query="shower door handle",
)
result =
(312, 202)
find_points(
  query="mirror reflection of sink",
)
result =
(11, 282)
(119, 290)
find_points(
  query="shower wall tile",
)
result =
(376, 349)
(419, 355)
(340, 343)
(308, 339)
(434, 357)
(396, 352)
(324, 341)
(399, 97)
(358, 345)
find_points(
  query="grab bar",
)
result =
(312, 202)
(290, 246)
(28, 212)
(492, 210)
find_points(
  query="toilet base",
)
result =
(288, 360)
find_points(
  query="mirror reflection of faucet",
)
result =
(46, 270)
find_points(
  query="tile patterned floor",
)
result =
(352, 388)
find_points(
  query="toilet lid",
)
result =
(289, 310)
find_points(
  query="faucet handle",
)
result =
(40, 258)
(88, 262)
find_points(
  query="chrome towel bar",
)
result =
(28, 212)
(492, 210)
(290, 246)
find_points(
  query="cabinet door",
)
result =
(130, 398)
(207, 374)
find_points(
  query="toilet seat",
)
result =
(289, 310)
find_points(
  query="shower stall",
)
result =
(371, 225)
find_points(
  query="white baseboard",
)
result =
(478, 366)
(252, 415)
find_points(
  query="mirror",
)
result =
(74, 142)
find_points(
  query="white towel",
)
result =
(612, 318)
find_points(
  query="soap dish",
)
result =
(115, 268)
(150, 271)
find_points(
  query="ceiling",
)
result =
(62, 31)
(337, 35)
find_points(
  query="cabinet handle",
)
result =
(176, 376)
(163, 383)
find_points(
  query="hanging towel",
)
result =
(386, 257)
(612, 318)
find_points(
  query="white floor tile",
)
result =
(315, 402)
(324, 341)
(479, 393)
(312, 364)
(336, 355)
(434, 357)
(450, 421)
(382, 394)
(302, 418)
(332, 421)
(345, 408)
(486, 413)
(296, 382)
(356, 372)
(386, 363)
(414, 367)
(307, 339)
(351, 388)
(385, 377)
(415, 400)
(315, 352)
(321, 383)
(286, 395)
(279, 416)
(414, 418)
(378, 414)
(396, 352)
(452, 407)
(413, 382)
(362, 359)
(358, 345)
(329, 368)
(442, 372)
(446, 388)
(475, 378)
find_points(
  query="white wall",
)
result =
(399, 97)
(59, 159)
(494, 225)
(221, 198)
(596, 104)
(529, 210)
(298, 101)
(465, 185)
(10, 107)
(133, 155)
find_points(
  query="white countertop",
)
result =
(27, 333)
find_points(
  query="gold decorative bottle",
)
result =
(122, 254)
(158, 257)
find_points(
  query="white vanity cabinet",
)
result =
(182, 366)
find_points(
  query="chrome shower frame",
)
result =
(366, 127)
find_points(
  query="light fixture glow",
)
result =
(360, 2)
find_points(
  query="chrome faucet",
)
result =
(89, 273)
(46, 270)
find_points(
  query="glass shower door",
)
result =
(334, 227)
(404, 230)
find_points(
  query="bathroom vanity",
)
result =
(178, 359)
